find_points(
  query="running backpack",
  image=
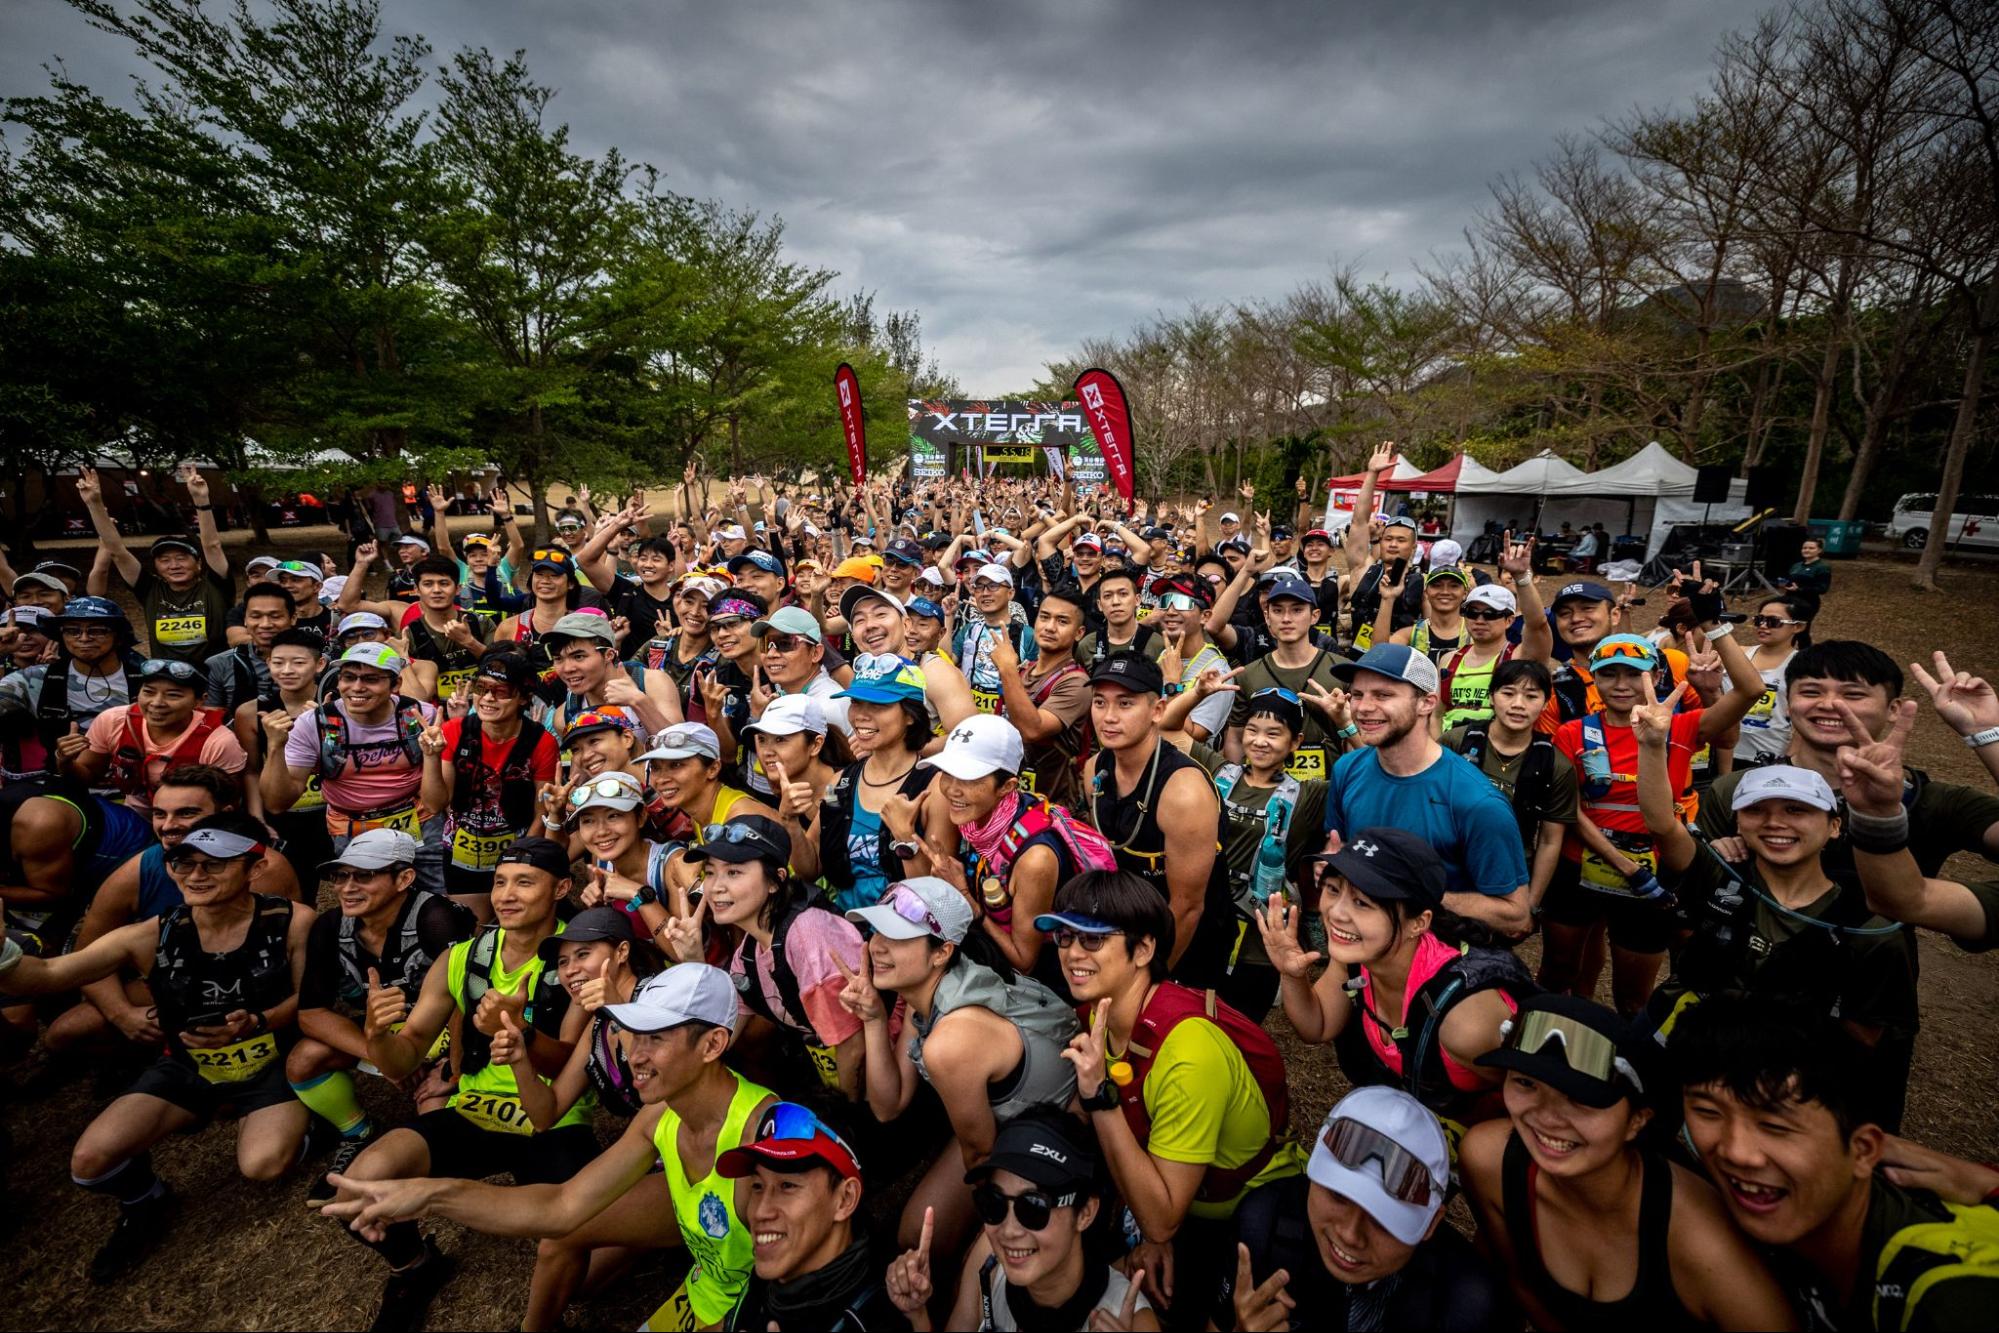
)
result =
(1171, 1005)
(475, 1048)
(1530, 788)
(1925, 1256)
(415, 962)
(333, 734)
(781, 971)
(128, 757)
(515, 778)
(1419, 1041)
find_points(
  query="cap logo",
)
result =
(963, 735)
(1366, 847)
(1043, 1150)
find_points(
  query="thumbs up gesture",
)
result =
(69, 746)
(495, 1005)
(509, 1047)
(387, 1007)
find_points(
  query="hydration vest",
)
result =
(53, 714)
(475, 1048)
(781, 971)
(1530, 788)
(183, 982)
(414, 962)
(471, 802)
(836, 821)
(1046, 1024)
(1274, 817)
(333, 747)
(1171, 1005)
(1035, 820)
(128, 756)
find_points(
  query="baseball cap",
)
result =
(63, 570)
(1316, 535)
(932, 576)
(1132, 671)
(587, 927)
(614, 789)
(904, 551)
(1448, 572)
(411, 539)
(982, 744)
(732, 532)
(854, 567)
(375, 656)
(509, 668)
(1589, 592)
(591, 721)
(1280, 533)
(37, 579)
(1783, 782)
(1233, 544)
(789, 620)
(789, 1138)
(173, 542)
(479, 539)
(302, 568)
(1390, 863)
(1494, 595)
(544, 854)
(553, 557)
(744, 838)
(851, 599)
(923, 606)
(1089, 541)
(1574, 1045)
(683, 993)
(913, 908)
(354, 620)
(1397, 661)
(1295, 589)
(685, 740)
(1044, 1150)
(1231, 517)
(1624, 650)
(582, 625)
(376, 849)
(1384, 1150)
(221, 843)
(789, 714)
(883, 678)
(1446, 552)
(993, 572)
(31, 618)
(761, 559)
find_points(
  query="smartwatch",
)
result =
(1105, 1098)
(905, 850)
(1978, 740)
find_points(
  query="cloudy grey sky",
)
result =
(1030, 174)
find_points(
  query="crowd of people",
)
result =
(886, 897)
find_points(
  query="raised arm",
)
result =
(110, 542)
(204, 519)
(1355, 545)
(1652, 727)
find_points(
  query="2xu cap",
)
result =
(1044, 1150)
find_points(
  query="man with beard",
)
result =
(1402, 778)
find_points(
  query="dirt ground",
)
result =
(246, 1256)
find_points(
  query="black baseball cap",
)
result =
(1576, 1046)
(511, 668)
(1390, 863)
(744, 838)
(587, 926)
(904, 550)
(541, 853)
(1044, 1149)
(1132, 671)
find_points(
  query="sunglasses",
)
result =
(1486, 613)
(176, 671)
(727, 622)
(785, 643)
(1278, 692)
(1359, 1147)
(735, 833)
(1178, 601)
(1772, 622)
(1629, 654)
(790, 1122)
(495, 689)
(346, 875)
(1584, 1049)
(1068, 936)
(554, 555)
(1032, 1210)
(607, 787)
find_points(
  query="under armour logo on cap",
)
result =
(963, 735)
(1366, 848)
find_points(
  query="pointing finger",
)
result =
(923, 1238)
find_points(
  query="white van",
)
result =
(1974, 521)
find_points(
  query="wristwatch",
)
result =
(906, 849)
(1978, 740)
(1105, 1098)
(646, 894)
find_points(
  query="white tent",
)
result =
(1645, 495)
(1505, 498)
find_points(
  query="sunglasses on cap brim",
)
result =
(1585, 1050)
(1359, 1147)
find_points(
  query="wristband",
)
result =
(205, 509)
(1978, 740)
(1722, 631)
(10, 954)
(1348, 732)
(1878, 835)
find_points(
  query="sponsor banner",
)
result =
(1110, 421)
(847, 386)
(964, 435)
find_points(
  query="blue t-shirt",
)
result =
(863, 850)
(1450, 805)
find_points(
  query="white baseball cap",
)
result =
(1445, 552)
(685, 740)
(683, 993)
(1372, 1158)
(1783, 782)
(789, 714)
(732, 533)
(1231, 517)
(932, 575)
(376, 849)
(917, 907)
(982, 744)
(993, 573)
(1494, 595)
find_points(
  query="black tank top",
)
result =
(1130, 820)
(1651, 1302)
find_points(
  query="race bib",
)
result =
(825, 1064)
(450, 682)
(478, 851)
(1028, 783)
(238, 1062)
(180, 631)
(312, 798)
(986, 701)
(1307, 763)
(402, 821)
(1763, 712)
(497, 1111)
(1363, 638)
(1599, 875)
(676, 1316)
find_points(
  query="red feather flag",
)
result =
(1110, 421)
(848, 385)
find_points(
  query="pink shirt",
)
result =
(108, 728)
(376, 773)
(815, 939)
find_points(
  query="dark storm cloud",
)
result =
(1028, 175)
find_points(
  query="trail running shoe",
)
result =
(407, 1296)
(140, 1228)
(319, 1193)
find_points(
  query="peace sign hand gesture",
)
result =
(1103, 1321)
(1652, 721)
(1086, 1050)
(1331, 704)
(1967, 702)
(860, 997)
(1260, 1309)
(1870, 771)
(431, 738)
(683, 929)
(908, 1277)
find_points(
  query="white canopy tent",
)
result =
(1645, 495)
(1506, 498)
